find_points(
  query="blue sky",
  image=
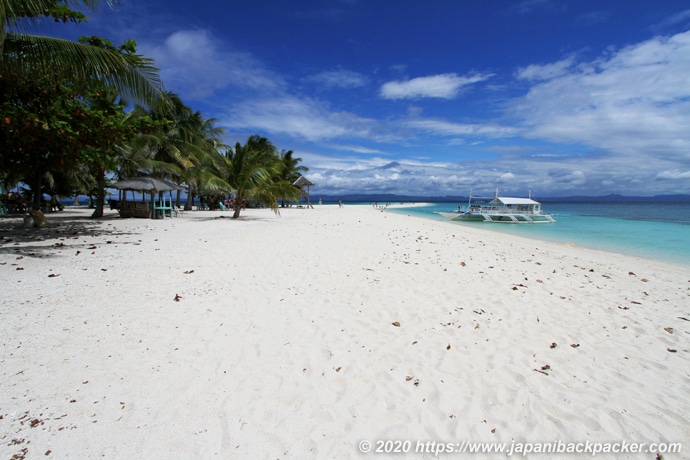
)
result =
(435, 97)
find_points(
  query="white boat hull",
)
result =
(499, 218)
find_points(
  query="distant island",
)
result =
(392, 198)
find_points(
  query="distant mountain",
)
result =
(615, 198)
(392, 164)
(393, 198)
(385, 198)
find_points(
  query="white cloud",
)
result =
(358, 149)
(192, 61)
(674, 174)
(678, 18)
(635, 101)
(444, 86)
(461, 129)
(514, 174)
(546, 71)
(305, 118)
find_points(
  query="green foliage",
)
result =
(61, 12)
(61, 100)
(132, 75)
(38, 119)
(254, 172)
(52, 126)
(15, 11)
(128, 47)
(186, 149)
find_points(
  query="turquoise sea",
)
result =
(658, 231)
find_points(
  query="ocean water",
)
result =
(659, 231)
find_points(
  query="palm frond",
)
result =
(13, 12)
(215, 184)
(134, 76)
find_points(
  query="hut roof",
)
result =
(302, 181)
(146, 183)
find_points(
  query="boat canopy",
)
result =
(508, 201)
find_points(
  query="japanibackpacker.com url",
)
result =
(517, 448)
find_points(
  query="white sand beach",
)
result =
(302, 335)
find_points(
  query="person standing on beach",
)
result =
(340, 203)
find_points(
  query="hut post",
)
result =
(301, 183)
(153, 204)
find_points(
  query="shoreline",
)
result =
(632, 251)
(303, 335)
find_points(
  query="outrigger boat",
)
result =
(505, 210)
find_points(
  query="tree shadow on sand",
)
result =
(62, 231)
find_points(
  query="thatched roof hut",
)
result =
(303, 183)
(143, 184)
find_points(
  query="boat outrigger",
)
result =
(505, 210)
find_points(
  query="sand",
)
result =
(305, 334)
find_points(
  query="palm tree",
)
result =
(192, 143)
(132, 75)
(135, 158)
(253, 172)
(204, 145)
(198, 141)
(290, 170)
(139, 156)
